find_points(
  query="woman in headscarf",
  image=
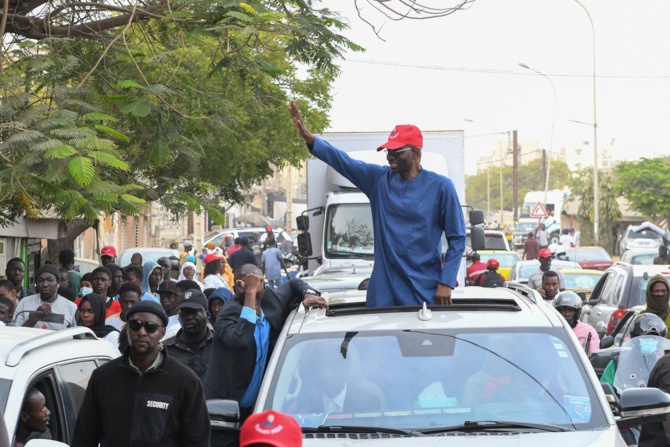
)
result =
(188, 271)
(150, 283)
(658, 298)
(91, 314)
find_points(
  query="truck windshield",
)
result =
(349, 231)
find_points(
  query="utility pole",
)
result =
(515, 175)
(544, 170)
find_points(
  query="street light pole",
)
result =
(553, 120)
(596, 195)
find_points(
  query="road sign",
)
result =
(538, 210)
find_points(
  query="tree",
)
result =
(183, 103)
(608, 208)
(530, 179)
(645, 184)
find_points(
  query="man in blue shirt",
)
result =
(272, 263)
(245, 333)
(411, 208)
(244, 255)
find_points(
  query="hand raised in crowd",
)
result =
(300, 125)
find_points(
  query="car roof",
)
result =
(640, 270)
(19, 345)
(474, 307)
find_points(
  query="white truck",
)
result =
(553, 206)
(339, 214)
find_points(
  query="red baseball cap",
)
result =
(212, 257)
(108, 250)
(545, 253)
(403, 135)
(272, 428)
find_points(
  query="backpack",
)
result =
(493, 279)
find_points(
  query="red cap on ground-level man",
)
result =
(271, 428)
(108, 250)
(403, 135)
(545, 253)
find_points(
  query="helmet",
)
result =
(648, 324)
(569, 299)
(492, 264)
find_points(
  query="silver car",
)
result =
(523, 269)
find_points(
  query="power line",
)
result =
(504, 72)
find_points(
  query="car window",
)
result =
(647, 259)
(607, 294)
(618, 287)
(588, 254)
(580, 281)
(5, 385)
(75, 376)
(436, 378)
(505, 259)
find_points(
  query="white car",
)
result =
(59, 364)
(498, 367)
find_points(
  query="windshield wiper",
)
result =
(360, 429)
(474, 426)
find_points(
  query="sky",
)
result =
(439, 72)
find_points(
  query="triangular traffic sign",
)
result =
(538, 211)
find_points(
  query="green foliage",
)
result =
(645, 184)
(530, 178)
(608, 208)
(189, 109)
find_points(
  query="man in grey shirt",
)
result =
(535, 278)
(46, 309)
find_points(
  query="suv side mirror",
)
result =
(607, 342)
(642, 406)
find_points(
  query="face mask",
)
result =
(85, 291)
(648, 346)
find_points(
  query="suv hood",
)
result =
(609, 438)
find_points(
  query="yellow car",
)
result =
(506, 259)
(581, 280)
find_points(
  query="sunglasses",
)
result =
(186, 311)
(397, 151)
(149, 326)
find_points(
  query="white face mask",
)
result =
(85, 291)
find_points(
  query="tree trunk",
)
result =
(69, 231)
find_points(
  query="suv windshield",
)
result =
(525, 227)
(432, 379)
(644, 234)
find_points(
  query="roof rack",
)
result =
(522, 290)
(459, 305)
(20, 350)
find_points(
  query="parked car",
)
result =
(506, 259)
(521, 230)
(581, 280)
(639, 256)
(58, 363)
(409, 376)
(595, 258)
(622, 287)
(494, 240)
(646, 235)
(250, 232)
(522, 269)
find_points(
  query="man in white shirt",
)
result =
(535, 278)
(542, 236)
(566, 239)
(46, 309)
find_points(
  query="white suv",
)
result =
(59, 364)
(497, 363)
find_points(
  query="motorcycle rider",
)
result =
(569, 305)
(643, 324)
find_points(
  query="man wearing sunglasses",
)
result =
(145, 397)
(411, 208)
(193, 343)
(246, 331)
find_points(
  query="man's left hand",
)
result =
(314, 301)
(443, 294)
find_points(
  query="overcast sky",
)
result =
(437, 73)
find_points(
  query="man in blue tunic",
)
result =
(411, 208)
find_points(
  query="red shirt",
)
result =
(476, 269)
(531, 249)
(233, 249)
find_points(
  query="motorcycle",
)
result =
(633, 368)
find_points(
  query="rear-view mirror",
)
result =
(302, 222)
(476, 217)
(477, 238)
(305, 244)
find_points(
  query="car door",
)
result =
(73, 379)
(601, 312)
